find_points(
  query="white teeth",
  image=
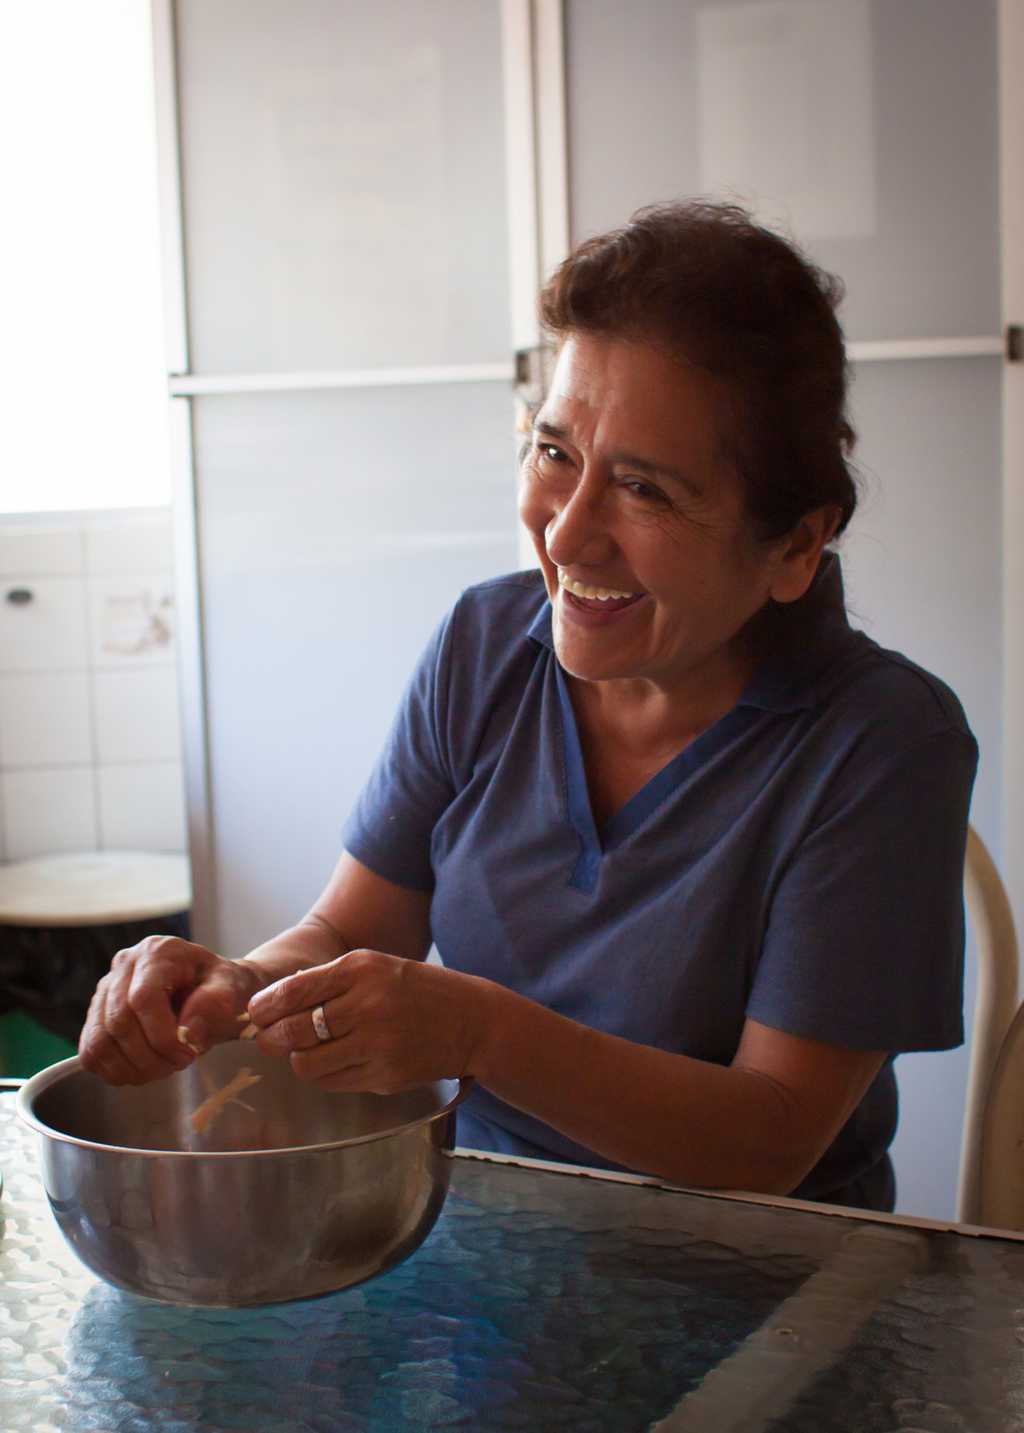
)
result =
(580, 589)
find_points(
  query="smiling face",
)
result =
(638, 518)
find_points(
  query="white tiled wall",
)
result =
(90, 750)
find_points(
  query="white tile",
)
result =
(142, 808)
(45, 719)
(126, 546)
(47, 633)
(41, 551)
(137, 715)
(132, 621)
(48, 811)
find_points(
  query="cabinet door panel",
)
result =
(344, 184)
(868, 129)
(336, 530)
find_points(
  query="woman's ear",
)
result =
(800, 552)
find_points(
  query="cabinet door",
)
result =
(866, 129)
(343, 183)
(348, 314)
(336, 529)
(869, 131)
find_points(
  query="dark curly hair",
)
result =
(706, 283)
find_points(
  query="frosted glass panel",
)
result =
(344, 183)
(866, 128)
(923, 553)
(922, 564)
(335, 531)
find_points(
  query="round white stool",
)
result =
(63, 918)
(94, 888)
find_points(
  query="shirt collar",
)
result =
(798, 640)
(540, 628)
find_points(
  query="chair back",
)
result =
(1001, 1181)
(991, 1170)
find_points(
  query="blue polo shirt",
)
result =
(800, 863)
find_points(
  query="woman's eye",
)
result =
(551, 454)
(644, 491)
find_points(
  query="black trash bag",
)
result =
(50, 972)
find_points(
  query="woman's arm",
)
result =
(759, 1124)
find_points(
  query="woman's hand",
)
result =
(394, 1023)
(131, 1031)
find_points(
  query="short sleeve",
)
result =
(410, 786)
(865, 940)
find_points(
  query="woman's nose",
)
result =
(578, 531)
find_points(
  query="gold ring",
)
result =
(321, 1029)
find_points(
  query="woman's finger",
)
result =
(125, 1029)
(302, 991)
(356, 1047)
(351, 1079)
(298, 1032)
(96, 1049)
(342, 1068)
(333, 1067)
(100, 1049)
(116, 1019)
(211, 1011)
(149, 992)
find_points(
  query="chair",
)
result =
(991, 1184)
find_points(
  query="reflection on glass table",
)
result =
(541, 1300)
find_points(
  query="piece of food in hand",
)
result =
(208, 1111)
(249, 1031)
(184, 1038)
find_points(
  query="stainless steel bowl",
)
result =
(304, 1194)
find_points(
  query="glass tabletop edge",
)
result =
(739, 1196)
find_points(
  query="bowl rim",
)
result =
(63, 1069)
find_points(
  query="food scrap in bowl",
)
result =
(203, 1117)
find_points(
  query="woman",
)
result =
(689, 846)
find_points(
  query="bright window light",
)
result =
(82, 363)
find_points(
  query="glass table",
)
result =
(542, 1299)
